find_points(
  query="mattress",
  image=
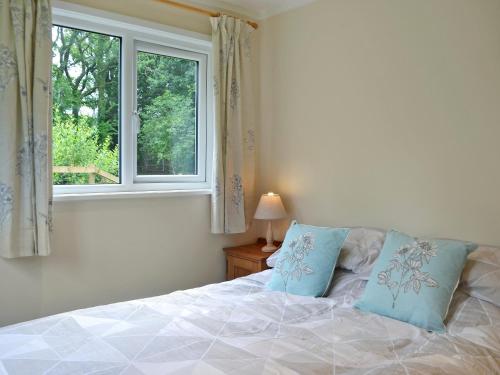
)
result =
(239, 327)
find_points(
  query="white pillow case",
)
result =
(271, 261)
(361, 248)
(481, 275)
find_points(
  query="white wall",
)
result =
(114, 250)
(385, 113)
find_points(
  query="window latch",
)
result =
(137, 121)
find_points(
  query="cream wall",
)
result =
(106, 251)
(153, 11)
(113, 250)
(385, 113)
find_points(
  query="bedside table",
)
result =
(247, 259)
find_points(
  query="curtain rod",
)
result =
(206, 12)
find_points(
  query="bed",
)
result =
(238, 327)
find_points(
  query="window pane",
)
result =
(166, 101)
(86, 107)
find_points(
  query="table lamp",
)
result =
(270, 208)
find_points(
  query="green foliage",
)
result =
(87, 74)
(77, 144)
(166, 98)
(168, 135)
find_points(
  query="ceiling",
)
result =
(256, 9)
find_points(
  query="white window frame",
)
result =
(138, 34)
(141, 46)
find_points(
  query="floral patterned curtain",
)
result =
(25, 108)
(234, 165)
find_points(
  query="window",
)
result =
(170, 103)
(86, 107)
(131, 109)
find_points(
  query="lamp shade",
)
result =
(270, 207)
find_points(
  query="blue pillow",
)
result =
(307, 260)
(414, 280)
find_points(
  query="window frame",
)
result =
(201, 130)
(133, 33)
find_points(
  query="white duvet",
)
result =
(238, 327)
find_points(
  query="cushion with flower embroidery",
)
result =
(414, 279)
(307, 259)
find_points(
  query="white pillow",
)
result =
(361, 249)
(271, 261)
(481, 275)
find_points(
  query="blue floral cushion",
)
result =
(307, 260)
(414, 280)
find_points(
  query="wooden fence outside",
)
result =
(91, 170)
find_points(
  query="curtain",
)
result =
(234, 150)
(25, 123)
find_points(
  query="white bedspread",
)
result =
(238, 327)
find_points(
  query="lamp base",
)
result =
(269, 248)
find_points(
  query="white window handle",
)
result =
(137, 122)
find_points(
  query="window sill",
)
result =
(129, 194)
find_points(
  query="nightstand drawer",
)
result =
(246, 259)
(238, 267)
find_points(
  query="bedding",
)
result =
(361, 249)
(481, 276)
(359, 252)
(414, 279)
(307, 259)
(271, 261)
(239, 327)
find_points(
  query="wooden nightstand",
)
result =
(247, 259)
